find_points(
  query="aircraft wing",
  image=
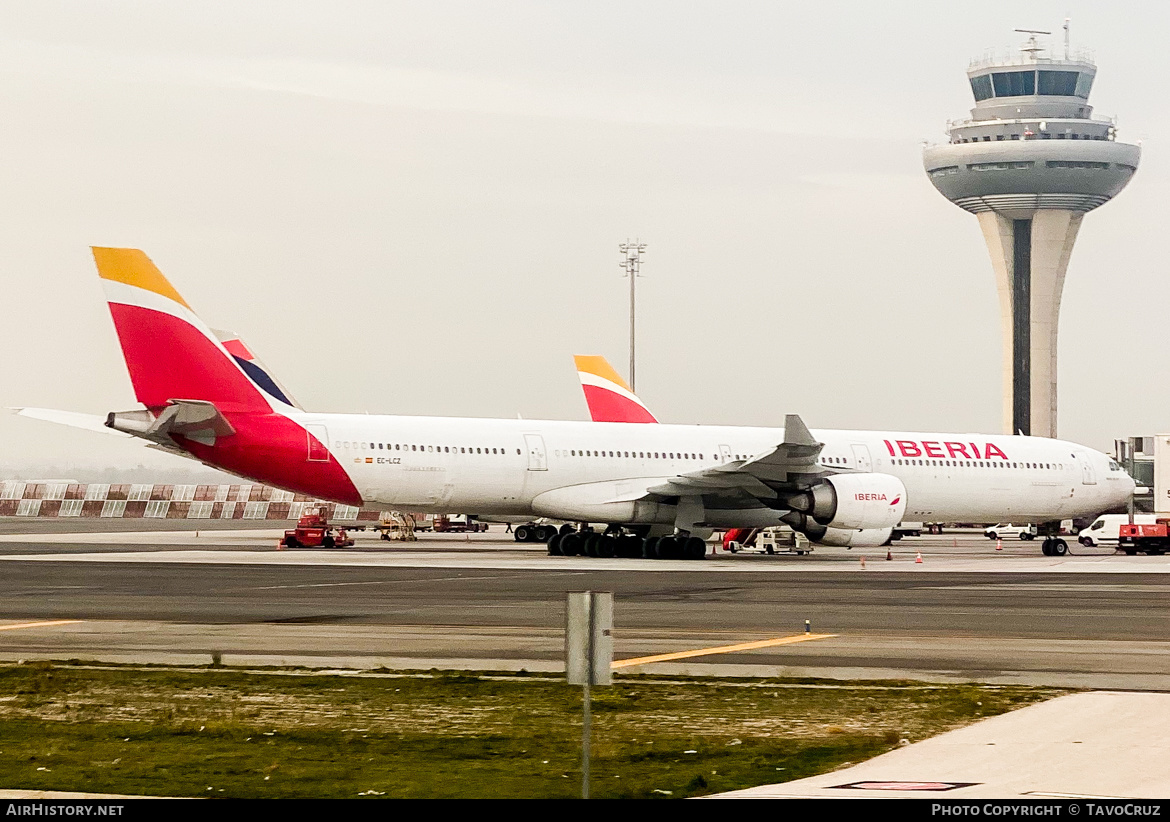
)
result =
(757, 482)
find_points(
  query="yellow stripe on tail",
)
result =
(131, 266)
(599, 367)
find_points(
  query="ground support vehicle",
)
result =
(1106, 529)
(397, 528)
(314, 531)
(1151, 539)
(906, 529)
(768, 540)
(457, 524)
(1006, 529)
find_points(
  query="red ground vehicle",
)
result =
(1149, 539)
(314, 531)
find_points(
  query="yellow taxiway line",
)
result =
(39, 624)
(721, 649)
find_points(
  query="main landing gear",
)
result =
(531, 532)
(614, 542)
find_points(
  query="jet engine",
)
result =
(850, 502)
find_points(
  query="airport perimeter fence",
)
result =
(157, 501)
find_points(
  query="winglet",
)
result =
(609, 398)
(796, 432)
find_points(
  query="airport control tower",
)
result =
(1030, 163)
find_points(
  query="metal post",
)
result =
(632, 265)
(587, 699)
(588, 658)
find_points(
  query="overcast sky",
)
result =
(414, 208)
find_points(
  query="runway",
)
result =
(967, 612)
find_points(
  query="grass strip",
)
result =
(226, 733)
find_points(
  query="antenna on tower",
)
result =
(1066, 22)
(1032, 47)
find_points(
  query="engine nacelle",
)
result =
(867, 538)
(844, 537)
(854, 502)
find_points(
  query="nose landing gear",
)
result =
(1054, 547)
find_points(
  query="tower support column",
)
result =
(1030, 253)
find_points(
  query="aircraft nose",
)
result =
(1128, 486)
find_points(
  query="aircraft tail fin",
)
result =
(168, 350)
(255, 368)
(609, 398)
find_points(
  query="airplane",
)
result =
(660, 488)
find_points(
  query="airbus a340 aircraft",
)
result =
(659, 487)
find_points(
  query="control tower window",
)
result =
(1058, 83)
(1014, 83)
(981, 87)
(1084, 83)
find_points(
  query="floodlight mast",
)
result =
(632, 263)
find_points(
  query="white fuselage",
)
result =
(486, 467)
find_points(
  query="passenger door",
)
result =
(861, 457)
(318, 440)
(537, 456)
(1088, 475)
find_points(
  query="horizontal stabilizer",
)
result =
(74, 419)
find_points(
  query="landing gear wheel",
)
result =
(1059, 547)
(544, 533)
(567, 529)
(695, 548)
(1046, 547)
(606, 546)
(591, 544)
(650, 548)
(630, 546)
(523, 533)
(554, 546)
(572, 544)
(668, 548)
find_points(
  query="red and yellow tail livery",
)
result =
(609, 398)
(197, 392)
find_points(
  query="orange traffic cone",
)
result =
(889, 554)
(999, 545)
(280, 545)
(863, 562)
(918, 558)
